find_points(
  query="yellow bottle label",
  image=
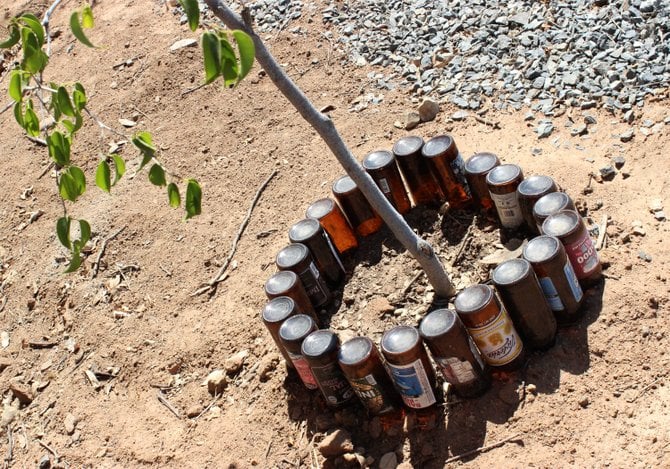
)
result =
(498, 340)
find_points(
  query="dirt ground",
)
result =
(598, 398)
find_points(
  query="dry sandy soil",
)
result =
(599, 397)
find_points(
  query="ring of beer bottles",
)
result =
(488, 330)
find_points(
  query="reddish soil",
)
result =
(599, 397)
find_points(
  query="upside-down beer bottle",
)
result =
(274, 313)
(477, 167)
(356, 207)
(569, 228)
(455, 353)
(491, 327)
(530, 190)
(292, 333)
(381, 166)
(549, 204)
(287, 283)
(448, 168)
(331, 218)
(522, 295)
(310, 233)
(296, 258)
(421, 183)
(557, 277)
(503, 181)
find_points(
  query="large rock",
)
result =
(336, 443)
(428, 110)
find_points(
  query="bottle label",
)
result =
(577, 291)
(456, 371)
(458, 167)
(304, 371)
(313, 285)
(498, 340)
(333, 385)
(384, 186)
(413, 385)
(508, 209)
(583, 256)
(551, 294)
(369, 391)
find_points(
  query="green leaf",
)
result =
(34, 58)
(77, 30)
(31, 123)
(157, 175)
(75, 262)
(72, 183)
(79, 96)
(64, 103)
(16, 86)
(63, 231)
(173, 195)
(18, 114)
(143, 142)
(13, 39)
(84, 232)
(119, 168)
(87, 17)
(211, 51)
(35, 25)
(229, 68)
(192, 10)
(193, 199)
(103, 176)
(247, 51)
(59, 148)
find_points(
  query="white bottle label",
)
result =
(551, 294)
(384, 185)
(508, 209)
(577, 291)
(413, 385)
(456, 371)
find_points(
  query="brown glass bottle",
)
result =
(310, 233)
(477, 167)
(296, 258)
(274, 313)
(522, 295)
(329, 214)
(550, 204)
(569, 228)
(447, 166)
(287, 283)
(381, 166)
(503, 181)
(557, 277)
(362, 366)
(292, 333)
(320, 349)
(455, 353)
(530, 190)
(410, 369)
(356, 207)
(491, 327)
(421, 183)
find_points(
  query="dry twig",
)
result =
(96, 265)
(464, 243)
(647, 388)
(602, 233)
(492, 124)
(166, 403)
(482, 449)
(221, 275)
(49, 449)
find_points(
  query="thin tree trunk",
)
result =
(421, 250)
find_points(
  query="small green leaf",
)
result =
(79, 178)
(18, 114)
(247, 51)
(79, 96)
(143, 142)
(157, 175)
(84, 232)
(34, 58)
(13, 39)
(16, 86)
(31, 123)
(64, 103)
(72, 183)
(193, 202)
(63, 231)
(87, 17)
(35, 25)
(75, 262)
(77, 30)
(173, 195)
(59, 148)
(103, 176)
(119, 168)
(192, 10)
(229, 68)
(211, 51)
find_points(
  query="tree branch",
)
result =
(326, 129)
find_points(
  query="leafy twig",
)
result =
(221, 274)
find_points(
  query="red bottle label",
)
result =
(583, 256)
